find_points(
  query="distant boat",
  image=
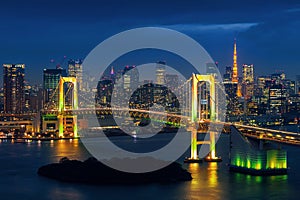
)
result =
(19, 140)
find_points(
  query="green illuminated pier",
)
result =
(254, 157)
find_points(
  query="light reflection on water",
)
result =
(19, 163)
(212, 174)
(205, 183)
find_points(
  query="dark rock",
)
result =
(92, 171)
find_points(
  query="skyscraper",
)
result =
(160, 72)
(248, 73)
(227, 77)
(75, 70)
(172, 81)
(248, 81)
(14, 88)
(277, 99)
(50, 83)
(130, 78)
(104, 92)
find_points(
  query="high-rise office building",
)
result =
(212, 68)
(227, 77)
(290, 86)
(130, 78)
(50, 83)
(277, 99)
(1, 99)
(262, 90)
(262, 81)
(172, 84)
(75, 70)
(278, 78)
(248, 73)
(230, 89)
(14, 88)
(104, 92)
(172, 81)
(160, 72)
(248, 81)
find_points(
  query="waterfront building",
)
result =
(14, 88)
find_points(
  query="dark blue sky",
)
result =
(33, 32)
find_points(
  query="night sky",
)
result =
(268, 32)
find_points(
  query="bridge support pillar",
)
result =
(196, 78)
(60, 126)
(194, 150)
(194, 144)
(212, 146)
(75, 127)
(61, 106)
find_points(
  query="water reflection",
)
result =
(51, 143)
(256, 186)
(194, 168)
(257, 180)
(19, 163)
(39, 143)
(205, 182)
(66, 148)
(212, 174)
(63, 192)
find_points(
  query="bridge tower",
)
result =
(62, 106)
(195, 119)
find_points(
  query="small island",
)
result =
(91, 171)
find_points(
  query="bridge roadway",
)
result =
(126, 112)
(248, 131)
(269, 134)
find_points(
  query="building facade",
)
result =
(50, 83)
(75, 70)
(14, 88)
(160, 72)
(248, 81)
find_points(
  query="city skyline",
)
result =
(125, 99)
(266, 34)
